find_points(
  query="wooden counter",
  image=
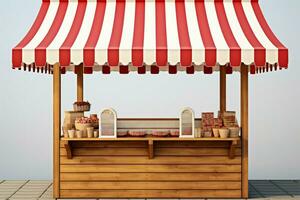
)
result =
(121, 168)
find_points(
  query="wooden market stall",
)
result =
(145, 36)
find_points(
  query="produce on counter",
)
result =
(207, 124)
(137, 133)
(82, 124)
(161, 133)
(174, 133)
(122, 133)
(83, 120)
(95, 120)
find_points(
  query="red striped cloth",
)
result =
(122, 35)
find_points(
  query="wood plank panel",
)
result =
(107, 151)
(108, 144)
(143, 151)
(151, 193)
(194, 151)
(171, 160)
(150, 168)
(143, 185)
(168, 176)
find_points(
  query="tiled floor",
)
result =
(34, 190)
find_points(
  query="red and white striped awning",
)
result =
(150, 34)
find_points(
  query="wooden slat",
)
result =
(193, 151)
(168, 176)
(107, 144)
(145, 160)
(150, 193)
(107, 151)
(143, 151)
(150, 168)
(56, 127)
(120, 185)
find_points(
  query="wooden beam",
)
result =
(232, 146)
(244, 128)
(68, 148)
(56, 128)
(150, 149)
(80, 83)
(222, 88)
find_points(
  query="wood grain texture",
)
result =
(171, 160)
(157, 185)
(122, 169)
(128, 151)
(110, 168)
(143, 144)
(153, 176)
(80, 83)
(56, 128)
(222, 88)
(150, 193)
(244, 128)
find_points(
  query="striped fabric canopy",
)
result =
(143, 35)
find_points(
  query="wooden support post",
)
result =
(231, 153)
(56, 128)
(222, 88)
(80, 83)
(150, 149)
(68, 148)
(244, 128)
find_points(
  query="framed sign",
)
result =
(108, 124)
(187, 123)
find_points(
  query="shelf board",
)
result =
(151, 138)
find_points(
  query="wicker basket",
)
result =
(81, 106)
(82, 127)
(234, 132)
(224, 132)
(216, 132)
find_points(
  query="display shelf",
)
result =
(233, 142)
(151, 138)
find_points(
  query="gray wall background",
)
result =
(26, 100)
